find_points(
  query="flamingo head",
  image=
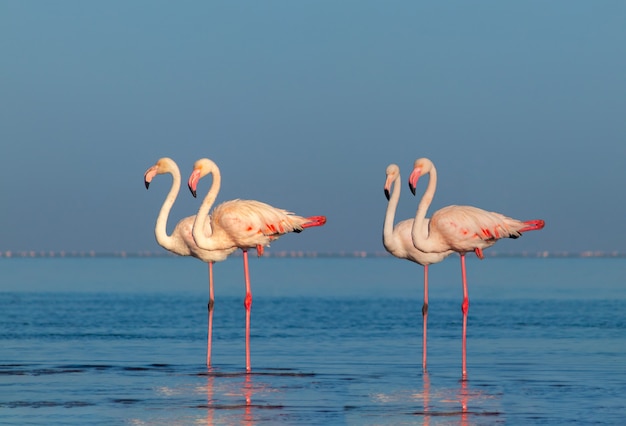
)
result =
(164, 165)
(393, 173)
(201, 168)
(421, 167)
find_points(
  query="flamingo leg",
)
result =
(465, 309)
(247, 304)
(210, 310)
(425, 317)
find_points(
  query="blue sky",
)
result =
(521, 105)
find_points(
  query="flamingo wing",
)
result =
(467, 228)
(252, 223)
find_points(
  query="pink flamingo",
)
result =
(397, 241)
(181, 241)
(459, 228)
(242, 223)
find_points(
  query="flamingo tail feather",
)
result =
(314, 221)
(533, 225)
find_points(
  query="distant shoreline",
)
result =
(7, 254)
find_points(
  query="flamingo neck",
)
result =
(392, 205)
(160, 229)
(420, 232)
(202, 230)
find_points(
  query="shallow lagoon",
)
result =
(334, 341)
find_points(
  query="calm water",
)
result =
(334, 341)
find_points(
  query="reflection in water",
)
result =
(236, 398)
(462, 402)
(210, 382)
(458, 405)
(426, 398)
(232, 398)
(239, 411)
(247, 393)
(464, 397)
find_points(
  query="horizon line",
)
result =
(292, 254)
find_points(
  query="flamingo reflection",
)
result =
(247, 393)
(453, 404)
(229, 399)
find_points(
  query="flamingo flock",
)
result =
(398, 241)
(181, 241)
(235, 224)
(459, 229)
(211, 236)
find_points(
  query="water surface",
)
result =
(334, 341)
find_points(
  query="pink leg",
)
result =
(247, 304)
(465, 309)
(425, 317)
(210, 308)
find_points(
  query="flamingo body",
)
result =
(467, 228)
(253, 224)
(397, 239)
(245, 224)
(180, 241)
(461, 229)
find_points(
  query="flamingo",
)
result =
(397, 241)
(461, 229)
(245, 224)
(181, 241)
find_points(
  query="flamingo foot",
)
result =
(259, 250)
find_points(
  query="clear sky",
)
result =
(303, 104)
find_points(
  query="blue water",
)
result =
(334, 341)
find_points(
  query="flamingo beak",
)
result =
(388, 183)
(415, 175)
(193, 181)
(149, 175)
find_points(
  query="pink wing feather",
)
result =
(252, 223)
(467, 228)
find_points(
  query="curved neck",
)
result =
(391, 211)
(202, 231)
(420, 232)
(160, 230)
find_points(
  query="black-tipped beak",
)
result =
(146, 183)
(387, 194)
(412, 188)
(192, 191)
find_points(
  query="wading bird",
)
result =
(181, 241)
(397, 241)
(459, 228)
(245, 224)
